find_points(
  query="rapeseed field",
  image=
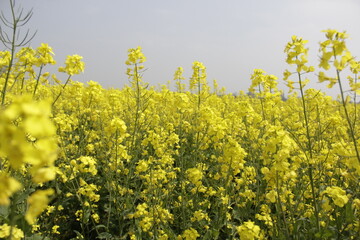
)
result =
(78, 161)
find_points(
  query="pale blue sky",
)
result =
(231, 37)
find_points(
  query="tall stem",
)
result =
(199, 89)
(13, 47)
(61, 91)
(38, 79)
(262, 104)
(351, 128)
(310, 168)
(138, 99)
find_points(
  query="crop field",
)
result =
(78, 161)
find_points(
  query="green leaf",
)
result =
(104, 235)
(4, 211)
(37, 237)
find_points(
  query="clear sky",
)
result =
(231, 37)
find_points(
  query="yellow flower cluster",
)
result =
(249, 231)
(189, 234)
(178, 76)
(260, 79)
(13, 232)
(297, 54)
(8, 187)
(337, 194)
(84, 164)
(43, 55)
(135, 56)
(151, 216)
(38, 202)
(31, 131)
(27, 147)
(199, 75)
(195, 175)
(334, 50)
(73, 65)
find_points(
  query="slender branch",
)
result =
(61, 91)
(11, 41)
(351, 128)
(310, 149)
(38, 79)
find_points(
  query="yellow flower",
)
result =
(335, 47)
(54, 229)
(355, 67)
(31, 140)
(271, 196)
(286, 74)
(79, 215)
(8, 186)
(44, 55)
(178, 75)
(200, 215)
(96, 217)
(38, 202)
(265, 215)
(194, 175)
(295, 50)
(135, 56)
(146, 223)
(332, 81)
(73, 65)
(142, 166)
(89, 191)
(190, 234)
(35, 228)
(248, 231)
(87, 165)
(297, 54)
(44, 174)
(141, 210)
(199, 75)
(356, 204)
(49, 210)
(5, 231)
(266, 81)
(337, 194)
(5, 57)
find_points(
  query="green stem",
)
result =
(310, 168)
(13, 47)
(351, 128)
(61, 91)
(262, 104)
(38, 79)
(281, 213)
(355, 104)
(138, 102)
(199, 89)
